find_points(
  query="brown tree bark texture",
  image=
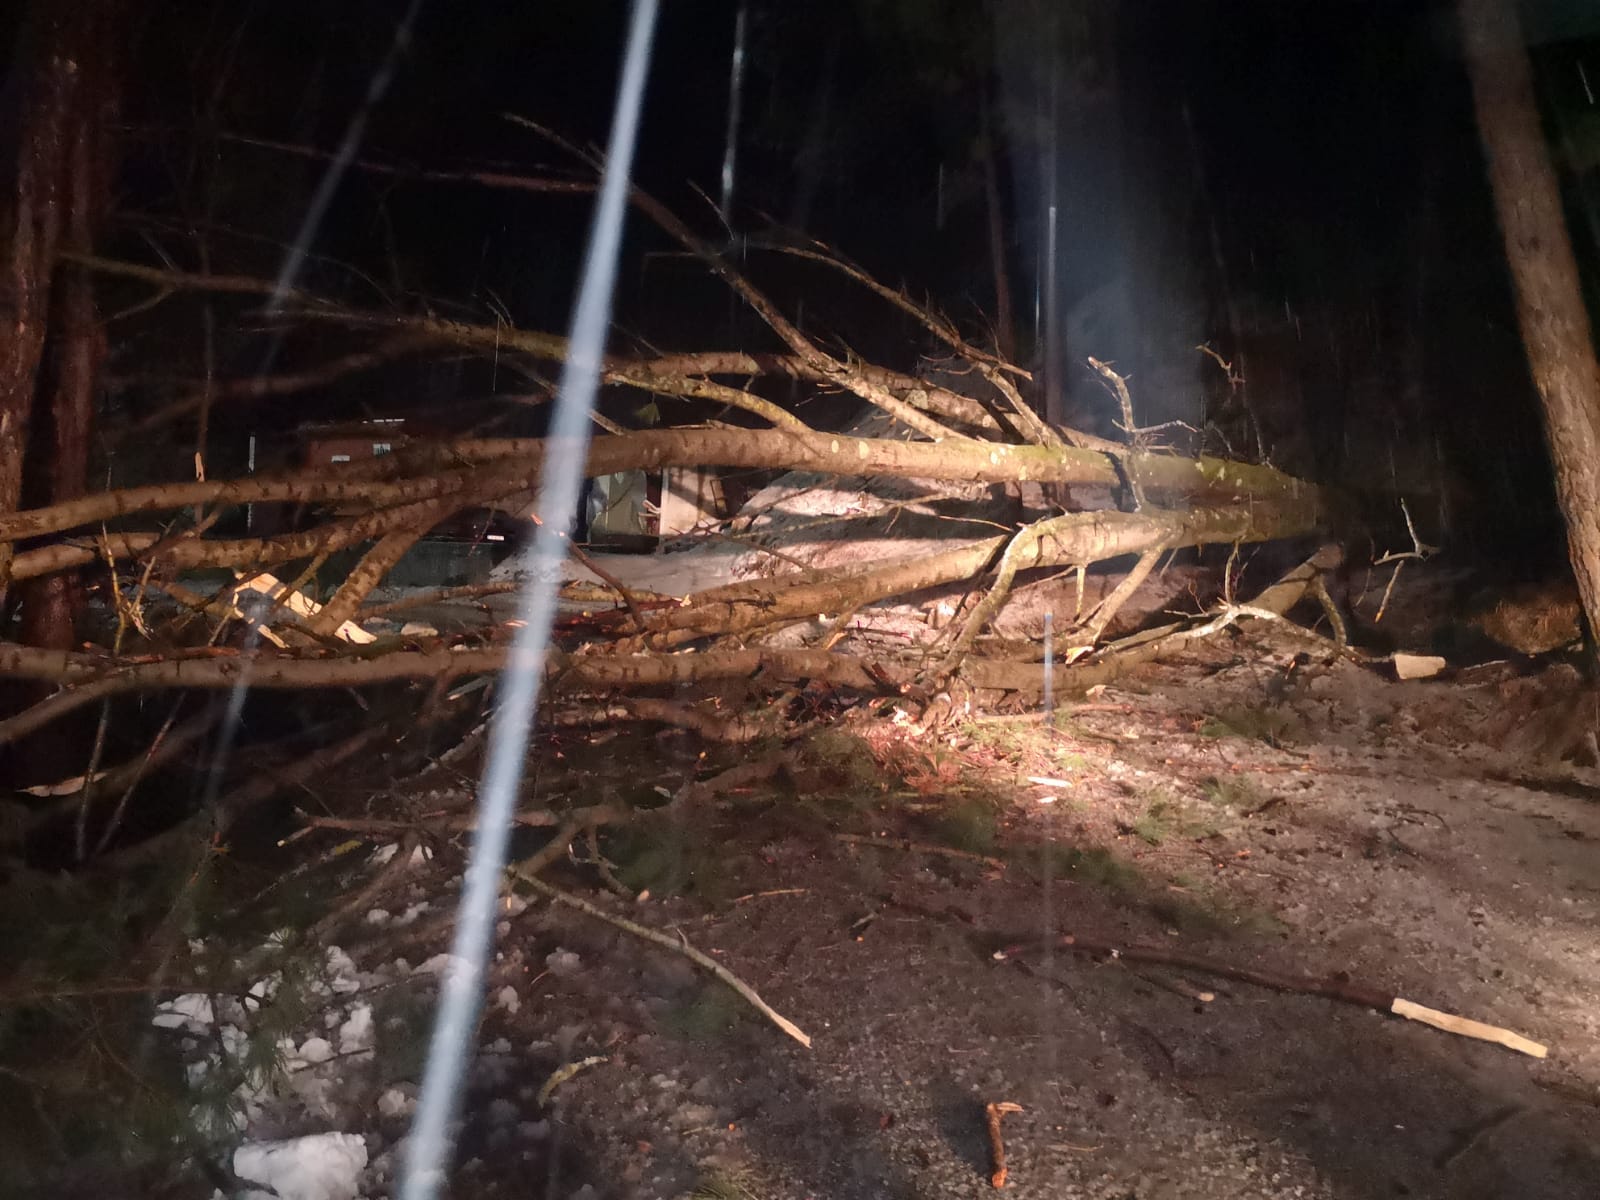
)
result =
(59, 463)
(1075, 537)
(49, 75)
(1550, 307)
(465, 471)
(1060, 541)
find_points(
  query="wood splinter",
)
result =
(997, 1146)
(1334, 988)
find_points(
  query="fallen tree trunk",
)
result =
(89, 677)
(465, 475)
(1058, 541)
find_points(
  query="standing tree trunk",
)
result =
(1005, 328)
(33, 229)
(1550, 306)
(49, 369)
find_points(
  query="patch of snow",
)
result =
(562, 963)
(439, 965)
(314, 1050)
(396, 1103)
(191, 1011)
(508, 999)
(263, 989)
(321, 1166)
(355, 1035)
(343, 977)
(383, 854)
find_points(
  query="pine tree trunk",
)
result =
(1550, 307)
(33, 230)
(1005, 328)
(49, 363)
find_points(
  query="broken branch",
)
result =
(699, 959)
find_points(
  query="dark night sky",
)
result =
(1311, 168)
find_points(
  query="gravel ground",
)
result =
(1351, 825)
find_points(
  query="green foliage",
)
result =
(1238, 792)
(86, 1082)
(403, 1017)
(1275, 726)
(1201, 912)
(969, 824)
(1153, 826)
(722, 1185)
(667, 859)
(1092, 865)
(842, 761)
(712, 1012)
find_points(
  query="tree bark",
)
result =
(1550, 307)
(49, 77)
(474, 470)
(1005, 328)
(76, 342)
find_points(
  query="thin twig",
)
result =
(906, 844)
(529, 818)
(362, 900)
(703, 961)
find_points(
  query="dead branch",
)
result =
(911, 847)
(53, 707)
(367, 574)
(364, 898)
(262, 785)
(816, 365)
(1333, 987)
(1056, 541)
(91, 677)
(725, 729)
(1107, 608)
(832, 369)
(622, 590)
(165, 277)
(1075, 537)
(422, 599)
(703, 961)
(940, 327)
(993, 1114)
(992, 367)
(261, 387)
(698, 791)
(528, 818)
(1024, 541)
(1118, 387)
(1147, 645)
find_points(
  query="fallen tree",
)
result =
(799, 621)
